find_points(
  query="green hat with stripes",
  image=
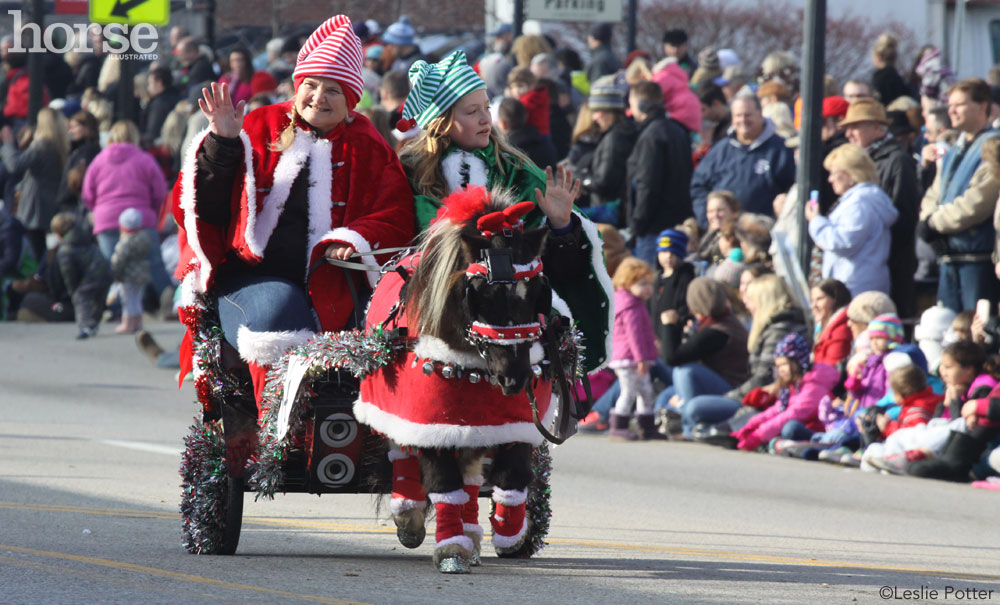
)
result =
(436, 87)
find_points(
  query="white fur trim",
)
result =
(463, 541)
(473, 480)
(456, 497)
(510, 497)
(473, 529)
(349, 236)
(260, 226)
(601, 272)
(398, 506)
(432, 347)
(189, 171)
(449, 435)
(266, 348)
(502, 541)
(451, 167)
(320, 193)
(559, 305)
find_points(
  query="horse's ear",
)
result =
(535, 239)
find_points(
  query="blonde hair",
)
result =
(422, 156)
(287, 135)
(104, 113)
(62, 223)
(51, 127)
(770, 296)
(631, 271)
(886, 48)
(903, 103)
(527, 46)
(111, 73)
(638, 71)
(907, 380)
(854, 161)
(584, 122)
(124, 131)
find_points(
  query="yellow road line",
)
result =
(623, 546)
(153, 571)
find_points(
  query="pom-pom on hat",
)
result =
(671, 240)
(333, 51)
(794, 346)
(435, 87)
(399, 33)
(886, 326)
(130, 220)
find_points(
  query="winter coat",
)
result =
(536, 102)
(855, 238)
(41, 168)
(16, 101)
(720, 346)
(659, 176)
(670, 293)
(869, 385)
(560, 130)
(633, 333)
(679, 101)
(13, 247)
(240, 90)
(609, 164)
(85, 273)
(761, 361)
(199, 72)
(107, 192)
(835, 341)
(897, 175)
(130, 260)
(155, 114)
(963, 198)
(602, 62)
(889, 85)
(916, 409)
(82, 154)
(538, 148)
(803, 404)
(756, 173)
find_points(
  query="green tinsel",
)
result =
(537, 508)
(204, 481)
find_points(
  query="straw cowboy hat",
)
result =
(864, 110)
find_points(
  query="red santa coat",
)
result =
(414, 409)
(358, 195)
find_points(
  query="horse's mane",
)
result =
(443, 260)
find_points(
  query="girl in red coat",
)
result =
(833, 337)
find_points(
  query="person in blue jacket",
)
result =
(752, 161)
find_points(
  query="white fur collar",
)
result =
(463, 168)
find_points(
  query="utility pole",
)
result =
(518, 17)
(36, 65)
(633, 16)
(810, 137)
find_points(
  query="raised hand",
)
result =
(224, 120)
(560, 192)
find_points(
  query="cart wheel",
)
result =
(538, 510)
(211, 500)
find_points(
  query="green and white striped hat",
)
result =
(436, 87)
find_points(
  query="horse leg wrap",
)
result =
(509, 520)
(258, 374)
(448, 507)
(470, 515)
(407, 491)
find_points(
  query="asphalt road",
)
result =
(90, 441)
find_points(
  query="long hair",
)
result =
(422, 156)
(770, 296)
(443, 260)
(51, 127)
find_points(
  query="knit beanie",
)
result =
(886, 326)
(934, 322)
(333, 51)
(130, 220)
(866, 306)
(606, 95)
(706, 296)
(671, 240)
(399, 33)
(435, 87)
(794, 346)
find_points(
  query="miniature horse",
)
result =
(474, 304)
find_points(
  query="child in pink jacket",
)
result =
(633, 350)
(802, 385)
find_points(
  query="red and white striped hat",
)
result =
(333, 51)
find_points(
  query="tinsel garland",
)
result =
(204, 480)
(356, 352)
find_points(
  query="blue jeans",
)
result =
(693, 379)
(107, 239)
(960, 285)
(796, 431)
(262, 304)
(645, 248)
(659, 371)
(707, 409)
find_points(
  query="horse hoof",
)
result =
(410, 527)
(476, 560)
(454, 564)
(411, 539)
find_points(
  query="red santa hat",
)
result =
(333, 51)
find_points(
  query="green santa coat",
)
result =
(586, 295)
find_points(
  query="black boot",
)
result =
(647, 428)
(619, 428)
(954, 463)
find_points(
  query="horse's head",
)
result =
(479, 285)
(506, 293)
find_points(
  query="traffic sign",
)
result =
(609, 11)
(130, 12)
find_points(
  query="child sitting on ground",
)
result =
(916, 400)
(801, 386)
(634, 350)
(131, 268)
(84, 271)
(671, 285)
